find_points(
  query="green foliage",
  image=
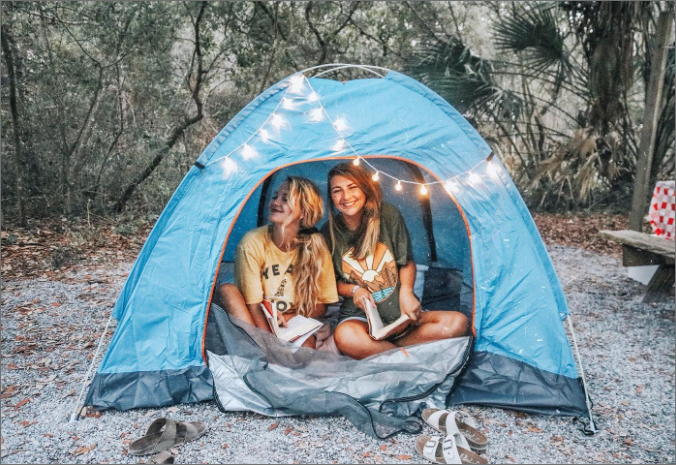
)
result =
(105, 89)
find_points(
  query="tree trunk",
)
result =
(650, 120)
(16, 126)
(180, 129)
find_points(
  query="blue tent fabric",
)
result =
(482, 229)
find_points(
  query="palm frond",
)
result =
(532, 31)
(463, 79)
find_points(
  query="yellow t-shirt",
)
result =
(263, 271)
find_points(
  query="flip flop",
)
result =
(164, 434)
(161, 458)
(447, 450)
(449, 422)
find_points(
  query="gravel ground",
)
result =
(50, 330)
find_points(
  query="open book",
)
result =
(377, 328)
(297, 329)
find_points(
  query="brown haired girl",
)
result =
(373, 258)
(286, 262)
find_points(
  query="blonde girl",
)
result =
(286, 262)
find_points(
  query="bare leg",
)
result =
(434, 326)
(352, 339)
(231, 300)
(310, 342)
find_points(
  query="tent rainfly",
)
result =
(475, 244)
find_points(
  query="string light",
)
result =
(248, 151)
(340, 124)
(265, 135)
(229, 167)
(316, 115)
(277, 120)
(492, 169)
(297, 83)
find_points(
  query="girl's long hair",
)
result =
(368, 232)
(305, 195)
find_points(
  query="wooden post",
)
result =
(651, 115)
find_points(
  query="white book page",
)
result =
(377, 329)
(298, 326)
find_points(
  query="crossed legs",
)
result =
(352, 337)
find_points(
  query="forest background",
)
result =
(106, 105)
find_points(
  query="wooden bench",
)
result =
(640, 249)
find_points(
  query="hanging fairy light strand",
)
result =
(450, 184)
(289, 102)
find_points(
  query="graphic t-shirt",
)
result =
(263, 271)
(378, 272)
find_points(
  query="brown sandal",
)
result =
(164, 434)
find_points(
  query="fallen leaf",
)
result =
(509, 458)
(84, 450)
(48, 435)
(273, 426)
(628, 442)
(404, 457)
(225, 445)
(639, 389)
(56, 304)
(367, 454)
(288, 430)
(21, 403)
(534, 429)
(383, 447)
(94, 414)
(25, 423)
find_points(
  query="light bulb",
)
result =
(277, 121)
(339, 145)
(248, 151)
(265, 135)
(493, 169)
(450, 187)
(376, 177)
(296, 83)
(317, 114)
(398, 187)
(340, 124)
(229, 167)
(313, 97)
(287, 104)
(356, 161)
(474, 178)
(423, 190)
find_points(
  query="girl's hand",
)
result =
(360, 297)
(410, 305)
(282, 318)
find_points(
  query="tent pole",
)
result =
(584, 380)
(74, 415)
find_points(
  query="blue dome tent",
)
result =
(476, 245)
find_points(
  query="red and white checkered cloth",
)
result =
(662, 206)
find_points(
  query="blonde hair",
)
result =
(368, 233)
(305, 196)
